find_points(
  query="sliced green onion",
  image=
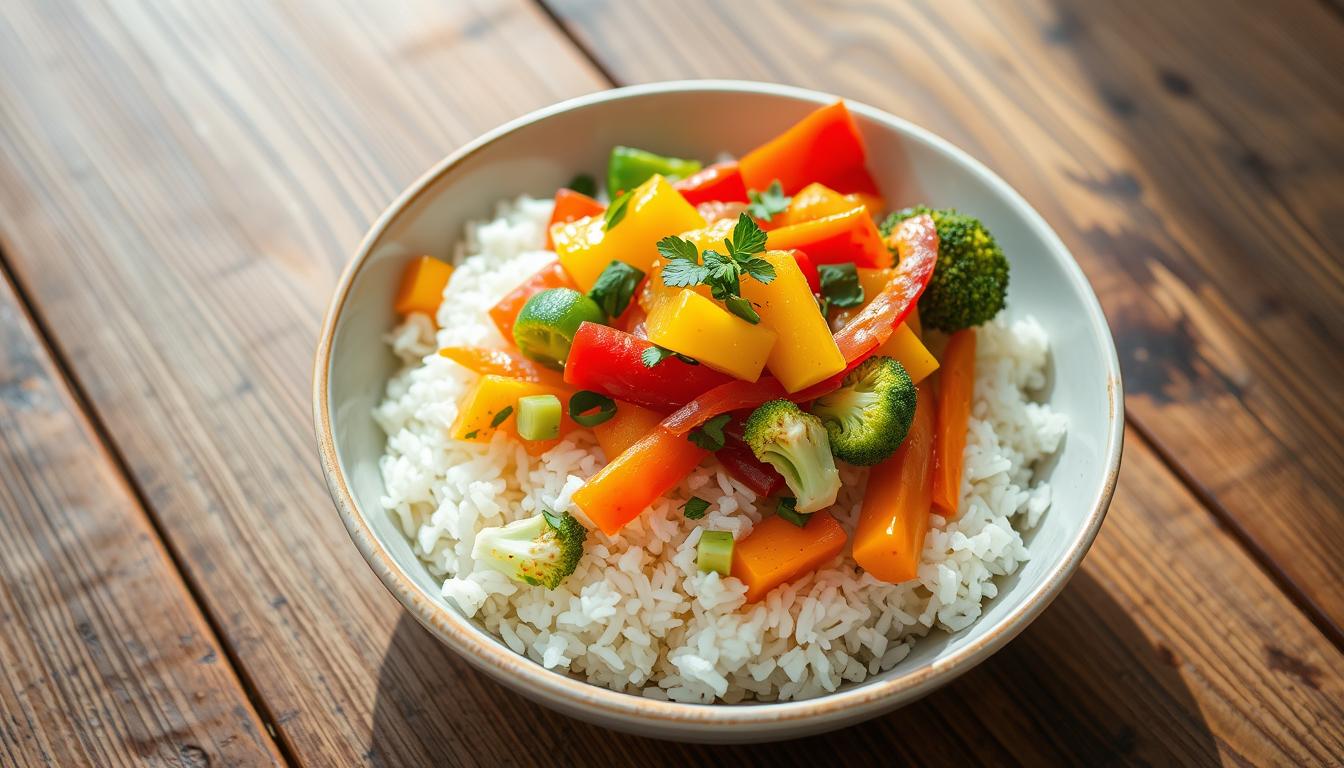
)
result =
(787, 510)
(583, 403)
(715, 552)
(500, 417)
(538, 417)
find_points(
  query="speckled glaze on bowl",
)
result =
(541, 151)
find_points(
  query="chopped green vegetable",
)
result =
(629, 167)
(502, 416)
(715, 552)
(584, 184)
(615, 287)
(710, 434)
(869, 416)
(795, 443)
(548, 321)
(655, 354)
(588, 408)
(970, 280)
(840, 286)
(788, 509)
(538, 417)
(695, 508)
(540, 550)
(616, 211)
(722, 273)
(472, 434)
(765, 205)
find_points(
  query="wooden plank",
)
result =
(181, 246)
(1193, 179)
(106, 658)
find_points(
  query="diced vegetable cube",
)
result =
(805, 351)
(715, 552)
(422, 285)
(538, 417)
(653, 211)
(777, 551)
(697, 327)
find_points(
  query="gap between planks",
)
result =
(1277, 576)
(67, 378)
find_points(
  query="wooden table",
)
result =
(181, 183)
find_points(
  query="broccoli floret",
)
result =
(795, 443)
(540, 550)
(970, 280)
(869, 415)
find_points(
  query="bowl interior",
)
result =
(911, 166)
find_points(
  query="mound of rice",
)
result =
(637, 616)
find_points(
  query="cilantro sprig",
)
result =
(655, 354)
(722, 272)
(764, 205)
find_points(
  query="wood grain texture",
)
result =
(179, 187)
(106, 660)
(1189, 152)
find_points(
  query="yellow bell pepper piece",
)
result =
(806, 352)
(710, 237)
(491, 396)
(631, 424)
(872, 281)
(654, 211)
(817, 200)
(905, 346)
(698, 327)
(422, 285)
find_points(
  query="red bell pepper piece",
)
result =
(850, 236)
(916, 240)
(571, 206)
(609, 361)
(506, 311)
(809, 269)
(720, 181)
(824, 147)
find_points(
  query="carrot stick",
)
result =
(635, 479)
(894, 517)
(777, 551)
(954, 414)
(630, 424)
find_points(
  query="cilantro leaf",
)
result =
(683, 268)
(615, 287)
(616, 211)
(710, 434)
(695, 508)
(673, 248)
(764, 205)
(759, 268)
(655, 354)
(500, 417)
(840, 286)
(748, 238)
(583, 184)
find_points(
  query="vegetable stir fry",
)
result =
(756, 312)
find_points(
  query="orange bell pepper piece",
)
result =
(824, 147)
(817, 200)
(571, 206)
(894, 518)
(506, 311)
(489, 361)
(636, 478)
(955, 389)
(422, 285)
(777, 551)
(630, 424)
(835, 239)
(491, 396)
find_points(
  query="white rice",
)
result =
(637, 616)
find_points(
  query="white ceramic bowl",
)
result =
(541, 151)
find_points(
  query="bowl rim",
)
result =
(483, 651)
